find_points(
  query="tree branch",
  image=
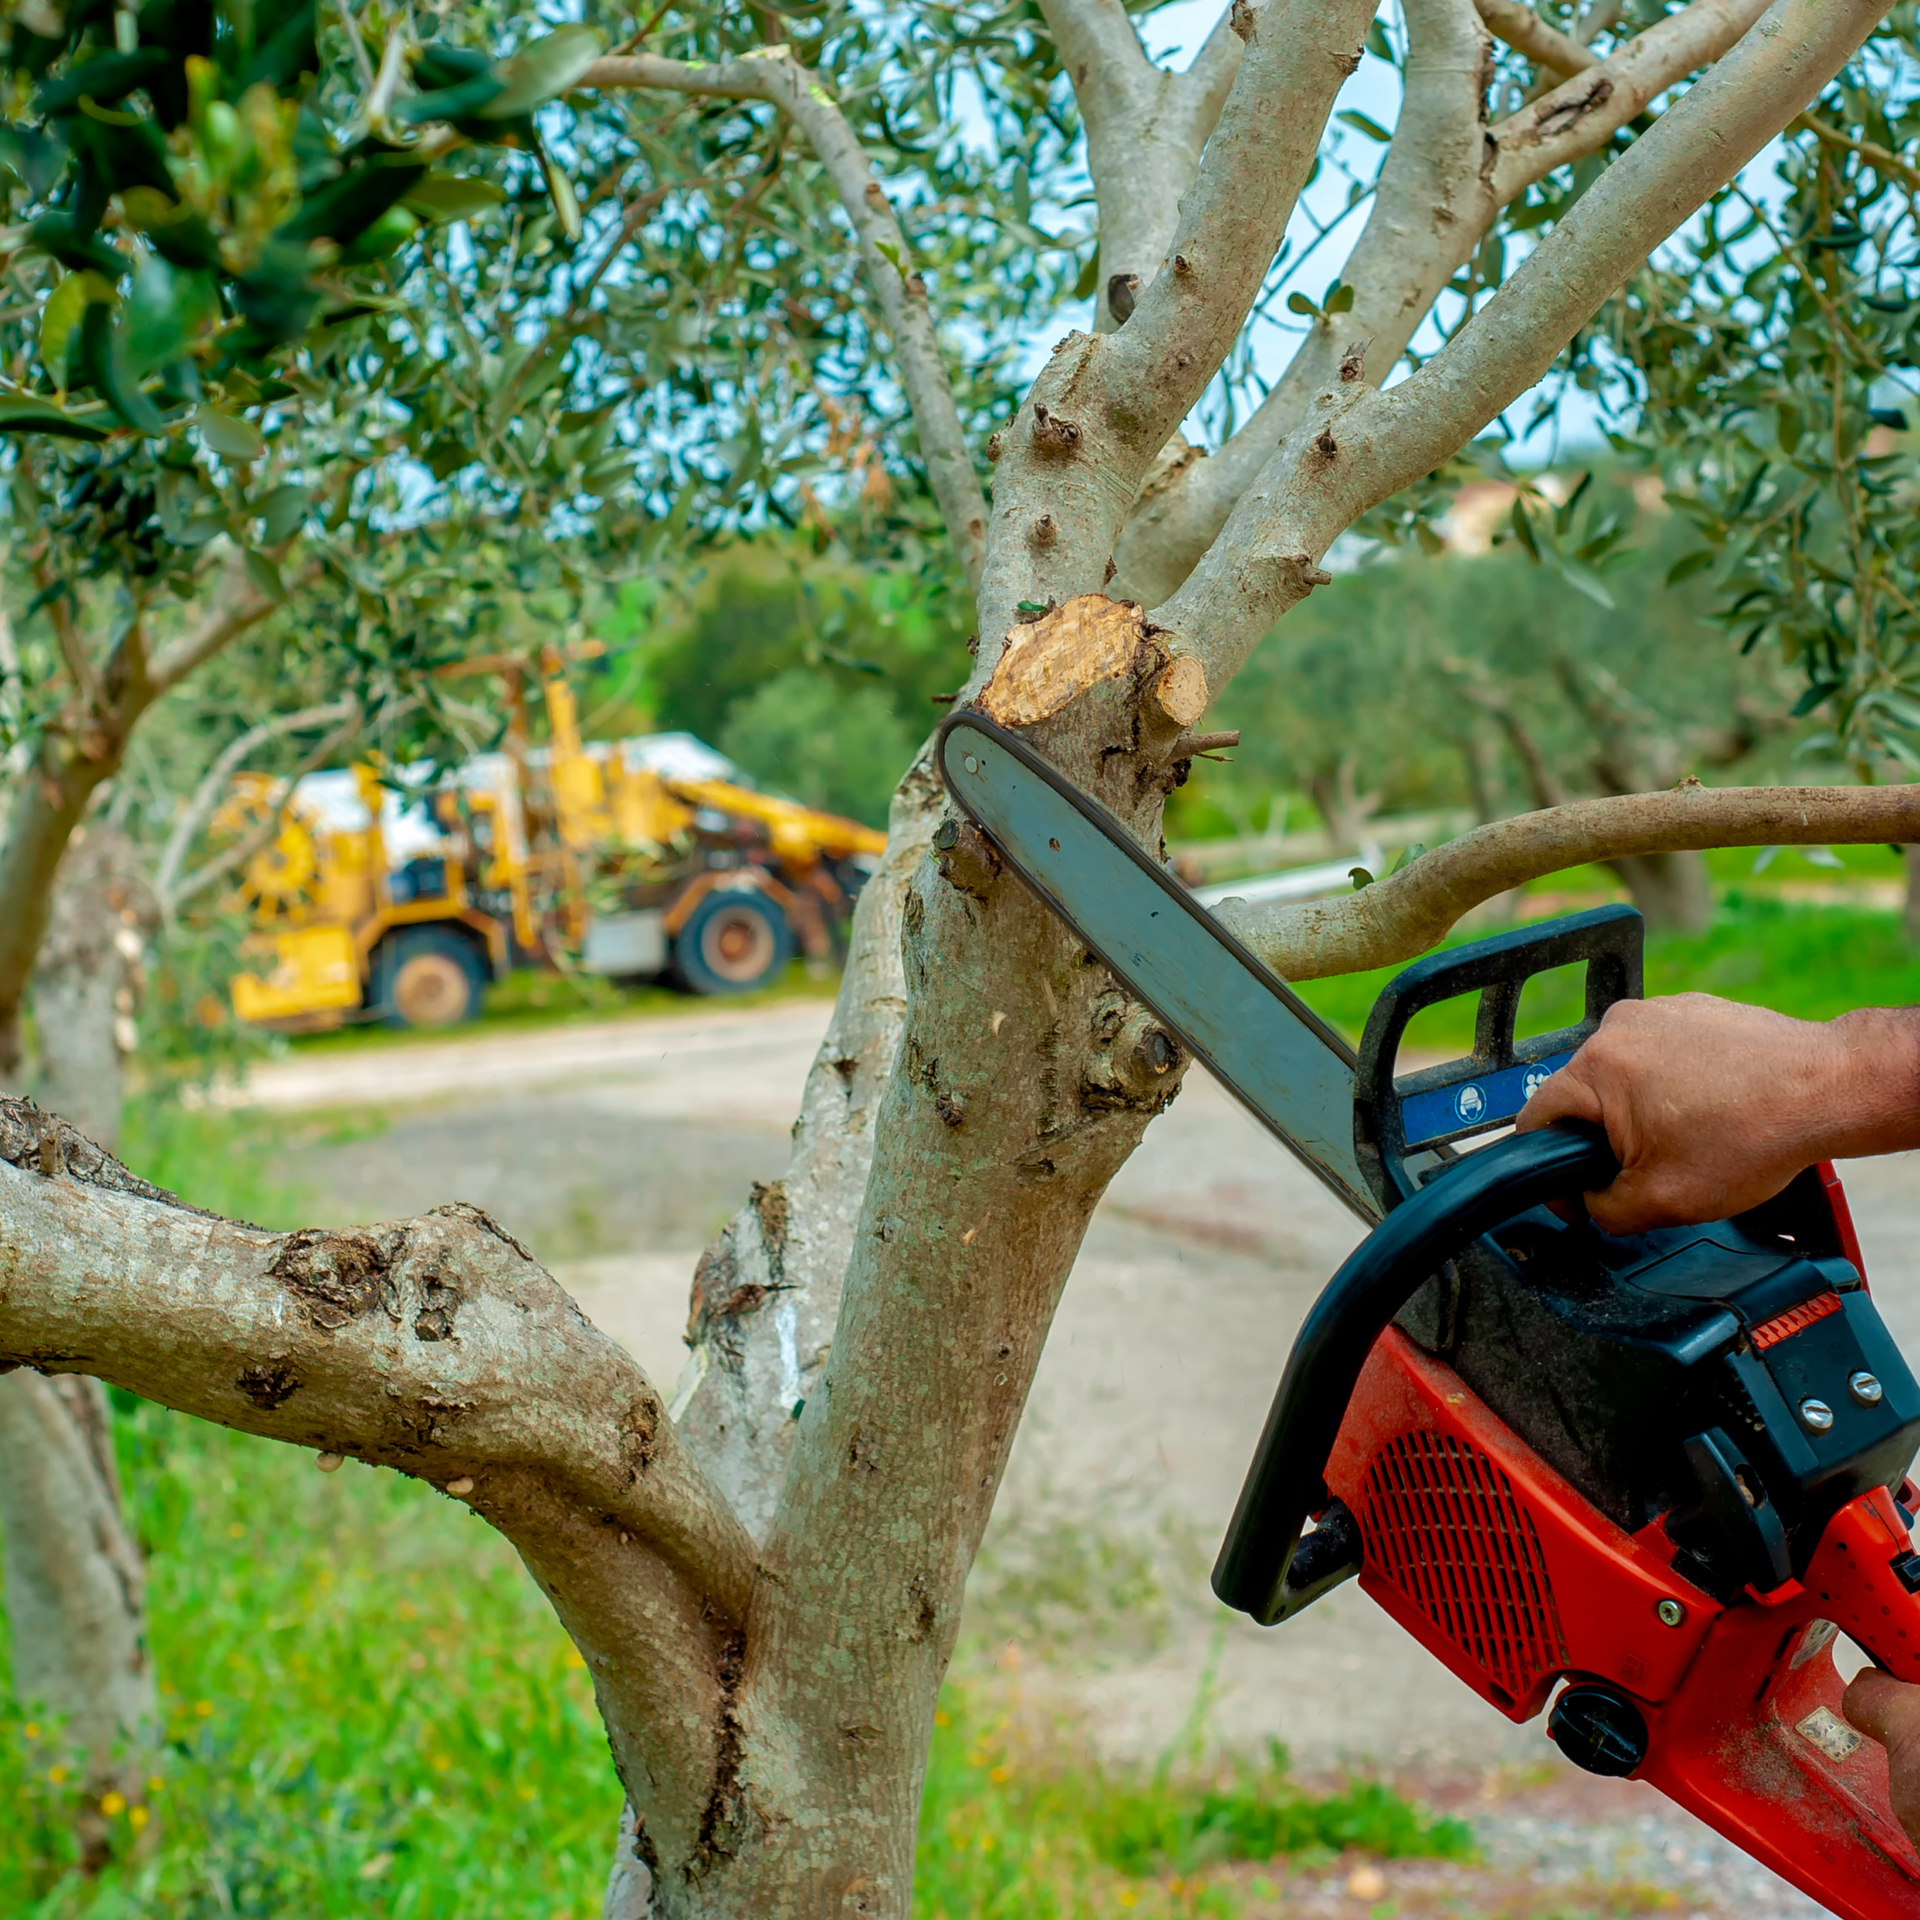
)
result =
(1887, 165)
(213, 789)
(1525, 32)
(1358, 445)
(237, 605)
(1402, 916)
(73, 650)
(1099, 413)
(437, 1347)
(1100, 50)
(1146, 128)
(1582, 113)
(1445, 178)
(773, 74)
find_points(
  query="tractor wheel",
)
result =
(428, 977)
(732, 943)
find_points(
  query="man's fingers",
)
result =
(1888, 1710)
(1636, 1203)
(1883, 1708)
(1561, 1096)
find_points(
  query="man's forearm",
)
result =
(1872, 1104)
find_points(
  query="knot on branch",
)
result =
(924, 1070)
(1240, 18)
(1045, 531)
(965, 857)
(1134, 1068)
(1306, 575)
(1569, 113)
(338, 1276)
(1325, 445)
(1353, 360)
(741, 1271)
(1121, 287)
(1052, 435)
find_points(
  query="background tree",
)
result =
(766, 1588)
(1763, 364)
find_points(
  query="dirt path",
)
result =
(616, 1150)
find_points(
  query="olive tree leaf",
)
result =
(28, 413)
(264, 575)
(541, 71)
(1360, 123)
(61, 315)
(100, 357)
(281, 510)
(168, 307)
(450, 196)
(231, 437)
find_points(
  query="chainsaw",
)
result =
(1643, 1483)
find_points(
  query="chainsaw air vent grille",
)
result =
(1783, 1326)
(1443, 1523)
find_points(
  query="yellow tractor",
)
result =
(399, 898)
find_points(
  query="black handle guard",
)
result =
(1285, 1484)
(1427, 1110)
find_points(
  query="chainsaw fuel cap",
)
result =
(1599, 1730)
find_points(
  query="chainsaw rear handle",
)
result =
(1285, 1483)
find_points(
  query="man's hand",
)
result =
(1888, 1710)
(1712, 1107)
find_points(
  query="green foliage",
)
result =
(222, 1161)
(803, 735)
(1772, 351)
(816, 678)
(1420, 682)
(369, 1708)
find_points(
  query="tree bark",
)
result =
(76, 1595)
(87, 981)
(76, 1581)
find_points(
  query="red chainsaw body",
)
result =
(1503, 1571)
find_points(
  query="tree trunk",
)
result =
(75, 1583)
(1345, 809)
(1670, 889)
(87, 981)
(76, 1594)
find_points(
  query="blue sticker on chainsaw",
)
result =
(1489, 1100)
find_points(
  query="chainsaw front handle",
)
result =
(1286, 1484)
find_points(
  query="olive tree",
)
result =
(765, 1576)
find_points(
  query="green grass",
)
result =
(1811, 962)
(370, 1711)
(1012, 1830)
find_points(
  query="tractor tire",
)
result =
(732, 942)
(428, 977)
